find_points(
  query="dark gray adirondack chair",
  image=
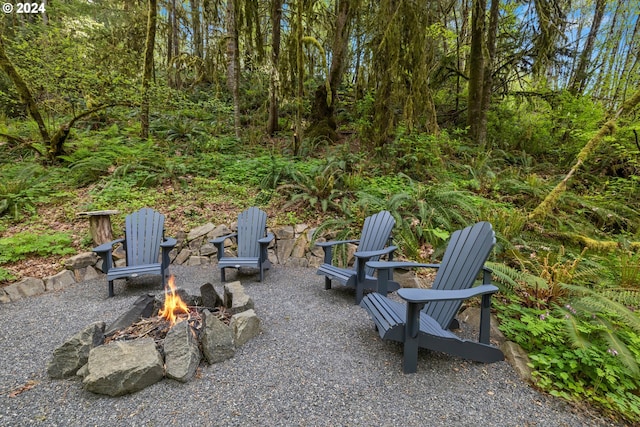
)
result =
(376, 233)
(253, 241)
(143, 240)
(427, 317)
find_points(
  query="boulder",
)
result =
(123, 367)
(201, 231)
(519, 359)
(217, 339)
(81, 260)
(181, 353)
(235, 298)
(59, 281)
(245, 325)
(142, 308)
(74, 353)
(210, 297)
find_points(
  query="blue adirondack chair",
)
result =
(143, 240)
(376, 234)
(253, 241)
(429, 314)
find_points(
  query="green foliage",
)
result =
(23, 245)
(579, 355)
(6, 276)
(21, 187)
(321, 188)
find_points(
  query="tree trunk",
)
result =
(487, 84)
(198, 47)
(298, 132)
(147, 72)
(323, 109)
(274, 77)
(24, 92)
(476, 70)
(233, 58)
(579, 78)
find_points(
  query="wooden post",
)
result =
(100, 225)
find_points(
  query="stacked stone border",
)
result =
(292, 247)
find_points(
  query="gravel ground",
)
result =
(317, 362)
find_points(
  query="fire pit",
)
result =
(166, 336)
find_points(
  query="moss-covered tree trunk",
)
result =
(323, 122)
(274, 75)
(147, 73)
(476, 72)
(24, 92)
(233, 64)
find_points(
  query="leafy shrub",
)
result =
(21, 188)
(24, 245)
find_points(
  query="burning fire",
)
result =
(173, 304)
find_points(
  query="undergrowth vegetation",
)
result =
(570, 284)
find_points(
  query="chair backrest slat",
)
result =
(466, 253)
(375, 234)
(144, 232)
(252, 225)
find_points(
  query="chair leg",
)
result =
(359, 293)
(110, 282)
(327, 283)
(222, 276)
(261, 272)
(410, 357)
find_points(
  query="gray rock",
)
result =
(208, 249)
(123, 367)
(197, 260)
(59, 281)
(86, 273)
(300, 247)
(74, 353)
(181, 353)
(4, 297)
(217, 339)
(27, 287)
(245, 325)
(142, 308)
(518, 358)
(183, 256)
(284, 233)
(210, 297)
(200, 231)
(81, 260)
(284, 249)
(235, 298)
(219, 231)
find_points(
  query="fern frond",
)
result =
(578, 340)
(624, 354)
(512, 279)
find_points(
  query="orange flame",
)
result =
(173, 304)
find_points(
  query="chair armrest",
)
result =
(386, 265)
(368, 254)
(422, 296)
(336, 242)
(169, 242)
(221, 239)
(106, 247)
(267, 239)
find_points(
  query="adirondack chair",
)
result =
(376, 233)
(253, 241)
(143, 240)
(429, 314)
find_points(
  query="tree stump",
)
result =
(100, 225)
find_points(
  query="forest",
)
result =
(446, 112)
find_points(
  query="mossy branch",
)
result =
(609, 128)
